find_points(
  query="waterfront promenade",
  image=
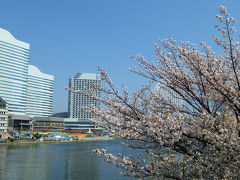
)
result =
(34, 141)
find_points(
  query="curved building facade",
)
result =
(39, 93)
(14, 58)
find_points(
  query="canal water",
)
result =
(57, 161)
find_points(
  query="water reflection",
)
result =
(57, 161)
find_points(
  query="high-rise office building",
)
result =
(39, 101)
(26, 90)
(14, 57)
(77, 101)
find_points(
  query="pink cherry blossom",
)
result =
(196, 139)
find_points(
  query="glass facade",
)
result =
(24, 87)
(14, 58)
(39, 93)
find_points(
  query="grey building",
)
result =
(3, 118)
(48, 123)
(77, 101)
(19, 122)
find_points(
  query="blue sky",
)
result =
(70, 36)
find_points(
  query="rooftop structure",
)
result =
(61, 114)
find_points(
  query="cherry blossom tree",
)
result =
(197, 139)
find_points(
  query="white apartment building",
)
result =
(77, 101)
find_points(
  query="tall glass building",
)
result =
(24, 87)
(39, 101)
(76, 101)
(14, 58)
